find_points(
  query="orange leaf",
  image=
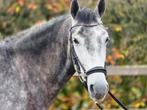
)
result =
(39, 22)
(56, 7)
(32, 6)
(118, 55)
(21, 2)
(110, 60)
(11, 10)
(114, 49)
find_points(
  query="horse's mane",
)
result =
(22, 38)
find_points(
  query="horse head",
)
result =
(89, 38)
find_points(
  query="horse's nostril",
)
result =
(98, 91)
(91, 88)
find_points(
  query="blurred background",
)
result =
(127, 22)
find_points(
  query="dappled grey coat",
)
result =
(34, 65)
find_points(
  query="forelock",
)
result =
(86, 15)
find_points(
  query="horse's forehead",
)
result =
(93, 31)
(86, 15)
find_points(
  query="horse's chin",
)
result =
(97, 87)
(100, 100)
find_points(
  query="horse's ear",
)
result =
(100, 7)
(74, 8)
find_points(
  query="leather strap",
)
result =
(97, 69)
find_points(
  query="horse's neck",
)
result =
(42, 60)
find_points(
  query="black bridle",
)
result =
(76, 60)
(78, 65)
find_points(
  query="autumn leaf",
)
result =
(21, 2)
(39, 22)
(56, 7)
(11, 10)
(114, 49)
(138, 104)
(17, 9)
(110, 60)
(32, 6)
(118, 55)
(117, 28)
(48, 6)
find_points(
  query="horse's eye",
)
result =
(76, 41)
(107, 40)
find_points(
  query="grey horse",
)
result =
(36, 63)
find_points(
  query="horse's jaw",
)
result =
(97, 86)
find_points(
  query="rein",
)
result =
(78, 66)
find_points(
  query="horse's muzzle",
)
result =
(97, 86)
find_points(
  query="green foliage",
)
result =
(131, 90)
(127, 20)
(16, 15)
